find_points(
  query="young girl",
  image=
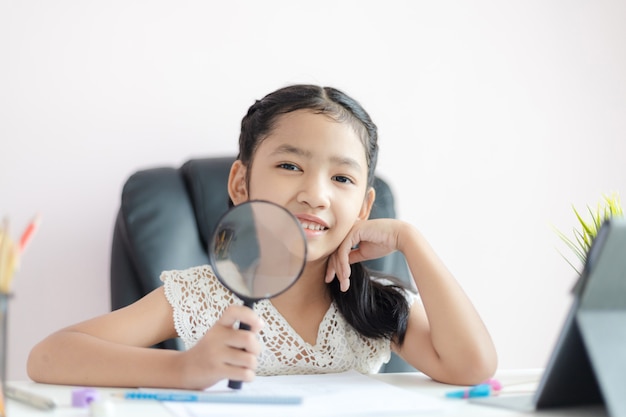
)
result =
(313, 151)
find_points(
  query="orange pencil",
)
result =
(29, 232)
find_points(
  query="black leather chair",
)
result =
(167, 216)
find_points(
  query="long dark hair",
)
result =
(373, 309)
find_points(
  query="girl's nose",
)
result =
(315, 192)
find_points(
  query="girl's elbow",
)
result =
(473, 369)
(39, 365)
(478, 369)
(34, 365)
(483, 370)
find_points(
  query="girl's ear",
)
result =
(237, 187)
(368, 203)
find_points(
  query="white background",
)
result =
(494, 116)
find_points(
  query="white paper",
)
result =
(342, 394)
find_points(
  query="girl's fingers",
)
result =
(330, 272)
(368, 239)
(339, 267)
(242, 340)
(241, 314)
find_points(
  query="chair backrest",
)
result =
(167, 216)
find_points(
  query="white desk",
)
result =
(518, 380)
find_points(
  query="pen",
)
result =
(234, 397)
(30, 398)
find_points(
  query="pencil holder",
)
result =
(4, 312)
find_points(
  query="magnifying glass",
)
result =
(258, 250)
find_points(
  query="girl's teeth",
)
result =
(312, 226)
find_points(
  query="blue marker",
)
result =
(481, 390)
(234, 397)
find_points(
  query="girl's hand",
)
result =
(225, 352)
(368, 239)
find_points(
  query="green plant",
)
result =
(609, 206)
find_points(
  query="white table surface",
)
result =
(513, 381)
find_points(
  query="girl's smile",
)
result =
(312, 225)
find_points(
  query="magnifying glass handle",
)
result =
(242, 326)
(237, 384)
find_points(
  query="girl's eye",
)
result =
(343, 179)
(288, 166)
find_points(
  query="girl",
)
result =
(313, 151)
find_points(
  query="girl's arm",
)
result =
(446, 339)
(113, 350)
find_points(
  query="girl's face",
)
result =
(316, 168)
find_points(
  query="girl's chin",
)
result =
(313, 256)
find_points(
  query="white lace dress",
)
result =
(198, 300)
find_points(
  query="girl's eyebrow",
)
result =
(290, 149)
(293, 150)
